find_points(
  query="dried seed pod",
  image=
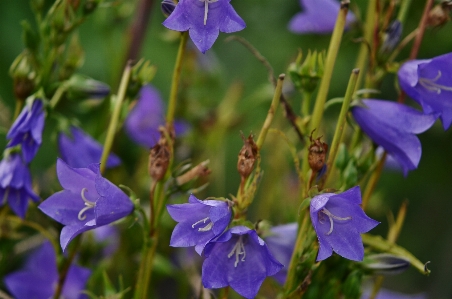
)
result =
(317, 153)
(439, 15)
(247, 156)
(159, 158)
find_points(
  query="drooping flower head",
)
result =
(39, 277)
(15, 184)
(204, 19)
(393, 126)
(281, 243)
(238, 258)
(80, 149)
(318, 16)
(338, 220)
(143, 121)
(87, 201)
(428, 82)
(199, 222)
(27, 129)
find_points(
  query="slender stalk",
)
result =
(421, 27)
(403, 10)
(175, 80)
(372, 183)
(58, 95)
(341, 121)
(115, 117)
(18, 108)
(306, 103)
(64, 269)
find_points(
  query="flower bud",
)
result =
(83, 87)
(142, 73)
(386, 264)
(306, 75)
(23, 74)
(392, 36)
(317, 153)
(247, 157)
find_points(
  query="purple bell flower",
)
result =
(428, 82)
(80, 149)
(15, 184)
(393, 126)
(281, 243)
(204, 19)
(27, 130)
(142, 123)
(240, 259)
(338, 220)
(39, 277)
(199, 222)
(318, 16)
(87, 201)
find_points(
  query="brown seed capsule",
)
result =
(439, 15)
(159, 158)
(23, 87)
(247, 157)
(317, 153)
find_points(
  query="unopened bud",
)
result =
(439, 15)
(306, 75)
(247, 157)
(317, 153)
(23, 87)
(386, 264)
(83, 87)
(392, 36)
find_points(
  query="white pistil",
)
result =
(205, 228)
(206, 8)
(88, 205)
(430, 84)
(331, 217)
(238, 250)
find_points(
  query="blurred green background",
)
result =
(427, 232)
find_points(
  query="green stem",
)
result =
(115, 116)
(421, 27)
(337, 139)
(373, 180)
(18, 108)
(271, 111)
(305, 105)
(403, 10)
(58, 95)
(64, 269)
(175, 80)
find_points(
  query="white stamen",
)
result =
(205, 228)
(206, 8)
(430, 84)
(238, 249)
(88, 205)
(331, 217)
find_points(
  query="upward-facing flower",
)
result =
(338, 220)
(199, 222)
(27, 129)
(87, 201)
(429, 82)
(204, 19)
(318, 16)
(39, 278)
(15, 184)
(393, 126)
(240, 259)
(80, 149)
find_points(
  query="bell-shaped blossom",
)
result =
(239, 258)
(281, 243)
(318, 16)
(199, 222)
(80, 149)
(39, 277)
(338, 220)
(393, 126)
(15, 184)
(143, 122)
(429, 82)
(87, 201)
(204, 19)
(387, 294)
(27, 129)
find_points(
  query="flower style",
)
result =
(27, 129)
(39, 277)
(240, 259)
(204, 19)
(281, 243)
(393, 126)
(199, 222)
(142, 123)
(428, 82)
(318, 16)
(87, 201)
(338, 220)
(15, 184)
(81, 149)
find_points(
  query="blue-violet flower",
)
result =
(87, 201)
(393, 126)
(27, 129)
(318, 16)
(39, 278)
(199, 222)
(338, 220)
(80, 149)
(238, 258)
(204, 19)
(15, 184)
(428, 82)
